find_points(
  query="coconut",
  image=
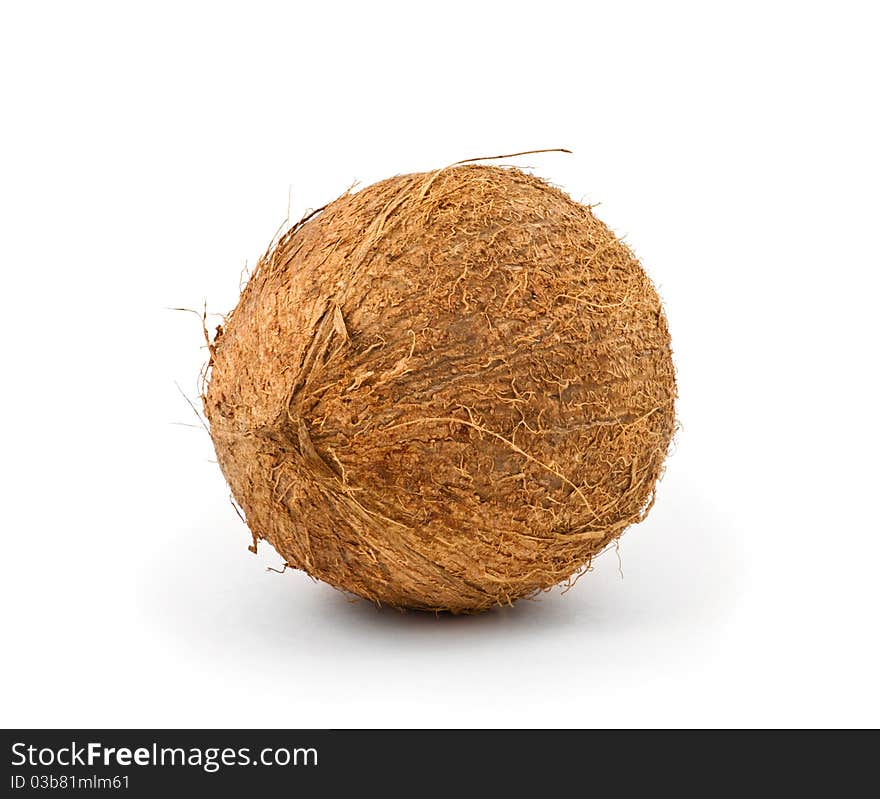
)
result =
(446, 391)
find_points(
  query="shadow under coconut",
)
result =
(680, 568)
(542, 607)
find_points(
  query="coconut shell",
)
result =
(446, 391)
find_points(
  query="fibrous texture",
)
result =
(446, 391)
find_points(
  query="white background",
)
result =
(148, 152)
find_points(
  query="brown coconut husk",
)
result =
(446, 391)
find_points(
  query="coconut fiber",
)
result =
(446, 391)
